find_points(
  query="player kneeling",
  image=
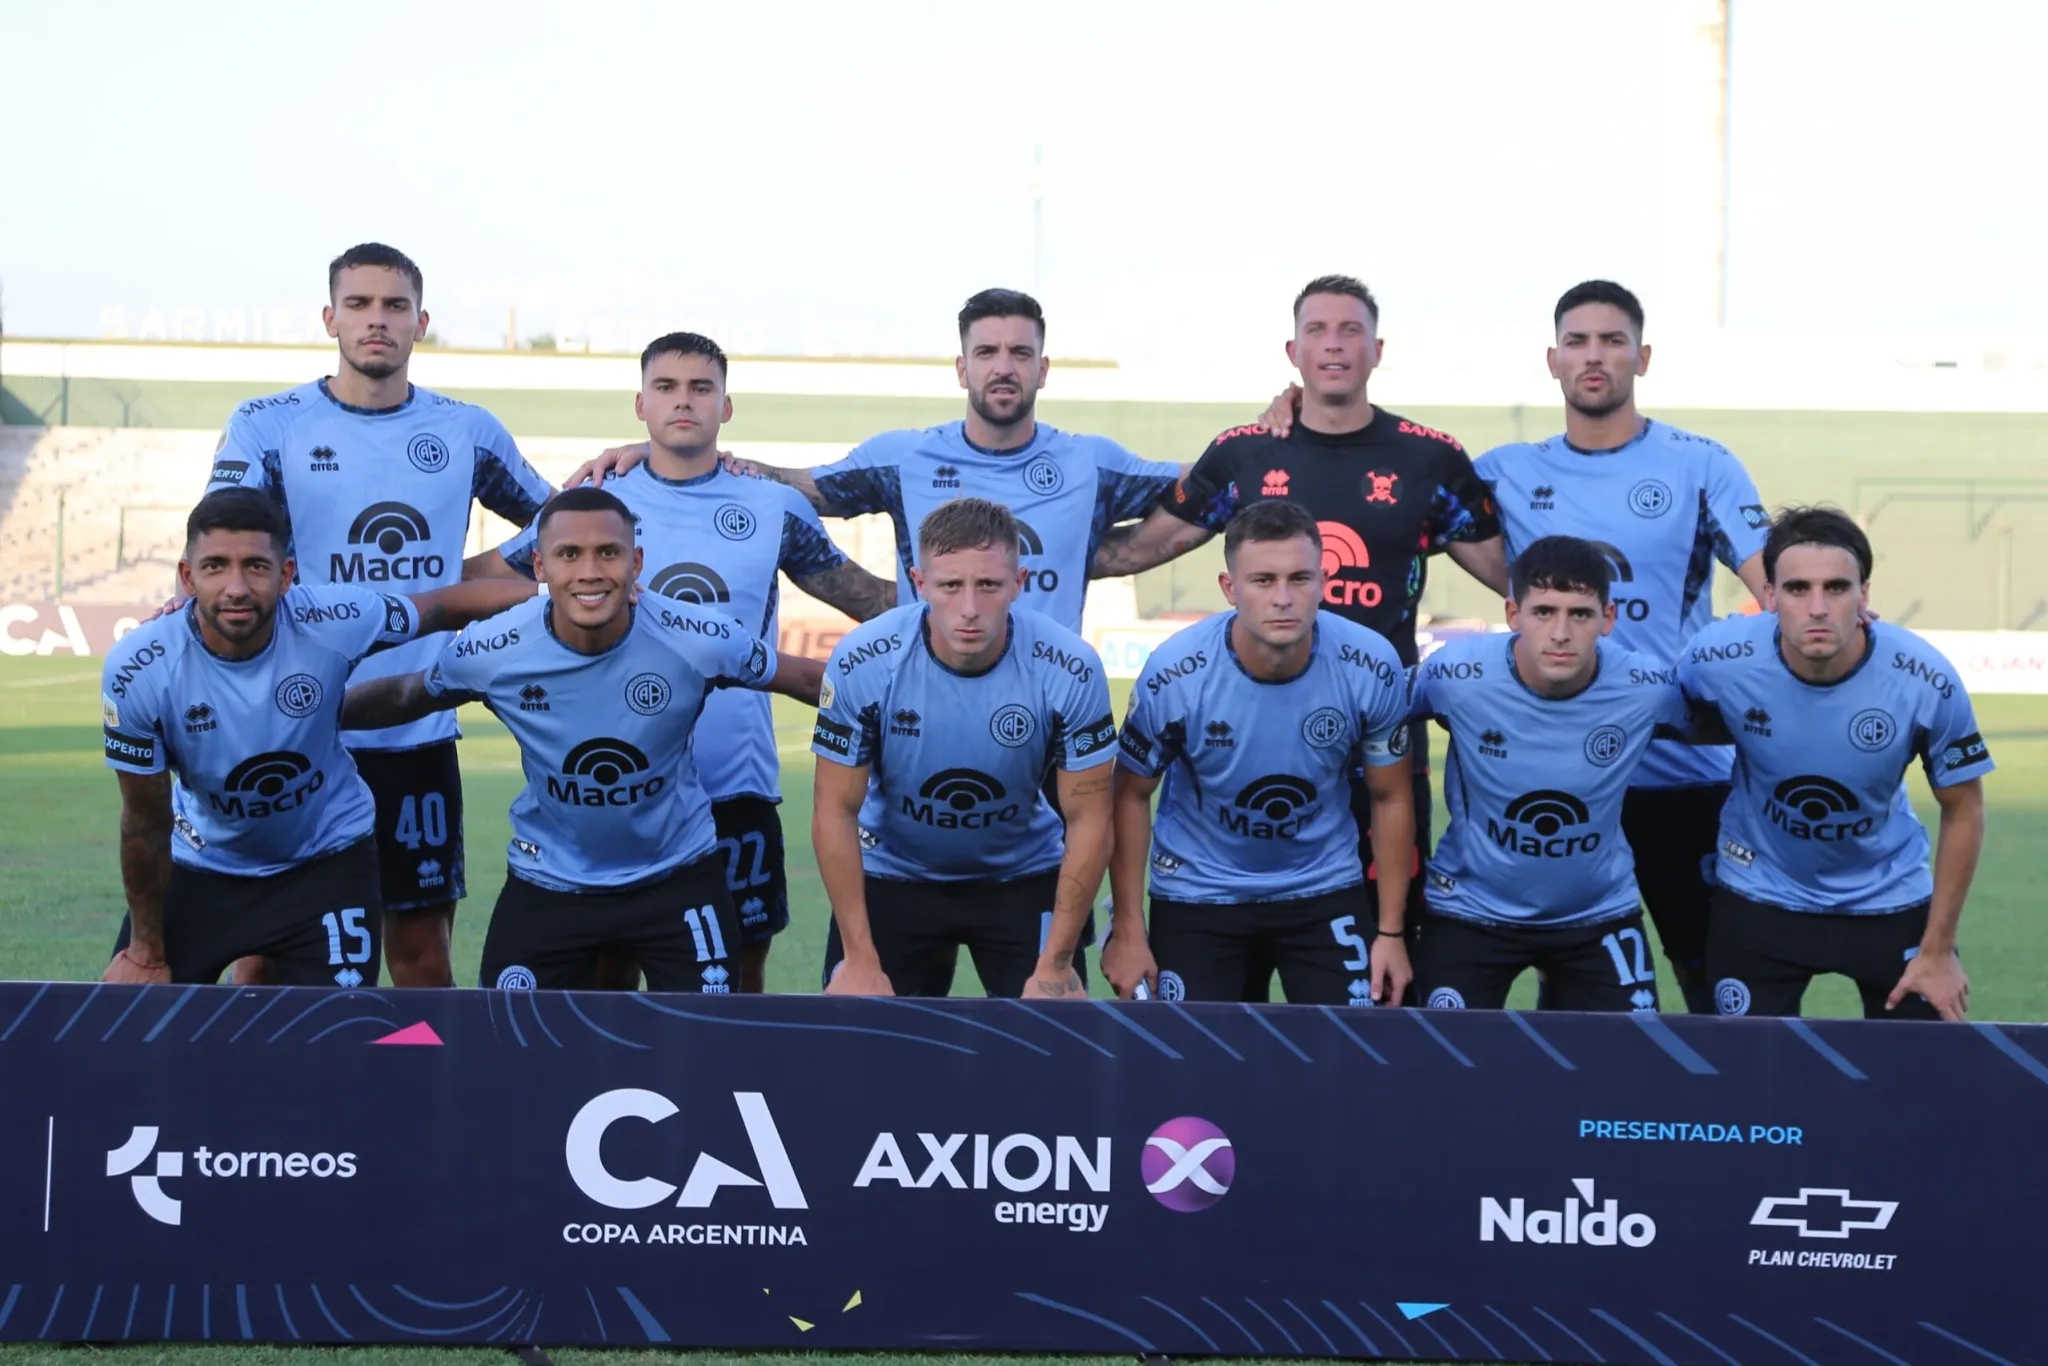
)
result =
(613, 845)
(1255, 719)
(937, 724)
(1822, 864)
(1547, 725)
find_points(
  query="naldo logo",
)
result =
(1587, 1220)
(166, 1207)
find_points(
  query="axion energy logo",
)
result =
(1188, 1164)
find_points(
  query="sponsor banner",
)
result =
(1996, 661)
(795, 1173)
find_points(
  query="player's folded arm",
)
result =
(462, 604)
(397, 700)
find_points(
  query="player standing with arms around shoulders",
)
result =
(376, 478)
(1662, 504)
(1255, 718)
(613, 844)
(1822, 865)
(1547, 726)
(937, 725)
(263, 848)
(719, 540)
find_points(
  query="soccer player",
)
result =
(613, 844)
(1547, 726)
(1386, 494)
(1256, 718)
(1662, 504)
(937, 724)
(719, 540)
(376, 477)
(1822, 865)
(263, 848)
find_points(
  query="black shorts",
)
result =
(1321, 945)
(1463, 964)
(319, 924)
(1672, 831)
(750, 842)
(919, 928)
(1761, 957)
(419, 823)
(680, 929)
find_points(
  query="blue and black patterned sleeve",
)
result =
(502, 480)
(806, 548)
(1461, 508)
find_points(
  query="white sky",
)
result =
(812, 176)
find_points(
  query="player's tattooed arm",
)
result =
(459, 604)
(1084, 803)
(394, 701)
(1127, 954)
(145, 876)
(1138, 546)
(1936, 972)
(853, 590)
(1486, 561)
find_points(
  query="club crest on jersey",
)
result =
(1323, 727)
(427, 454)
(1650, 498)
(1605, 745)
(1013, 726)
(648, 694)
(299, 696)
(1380, 487)
(1043, 476)
(733, 522)
(1871, 729)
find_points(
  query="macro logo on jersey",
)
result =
(1275, 807)
(298, 696)
(698, 583)
(1633, 609)
(1381, 488)
(1275, 485)
(1605, 745)
(961, 799)
(386, 531)
(1323, 727)
(1650, 498)
(1343, 554)
(1044, 477)
(267, 785)
(733, 522)
(1013, 725)
(1811, 807)
(1029, 546)
(1871, 729)
(427, 453)
(605, 772)
(1544, 824)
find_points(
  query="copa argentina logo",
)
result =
(387, 534)
(167, 1207)
(605, 772)
(707, 1178)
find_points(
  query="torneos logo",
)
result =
(155, 1203)
(584, 1151)
(165, 1208)
(1188, 1164)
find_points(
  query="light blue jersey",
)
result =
(263, 783)
(1534, 785)
(1663, 508)
(612, 796)
(956, 761)
(379, 497)
(1065, 491)
(1256, 805)
(1819, 820)
(719, 540)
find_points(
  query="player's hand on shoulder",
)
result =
(859, 977)
(1391, 972)
(126, 970)
(1279, 415)
(613, 462)
(1055, 984)
(1940, 978)
(1127, 962)
(171, 604)
(732, 464)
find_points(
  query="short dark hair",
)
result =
(1338, 284)
(582, 498)
(237, 510)
(1815, 526)
(684, 344)
(1270, 519)
(1600, 292)
(1001, 303)
(967, 524)
(377, 254)
(1563, 564)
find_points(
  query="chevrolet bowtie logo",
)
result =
(1819, 1213)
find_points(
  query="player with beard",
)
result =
(263, 848)
(376, 478)
(1386, 494)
